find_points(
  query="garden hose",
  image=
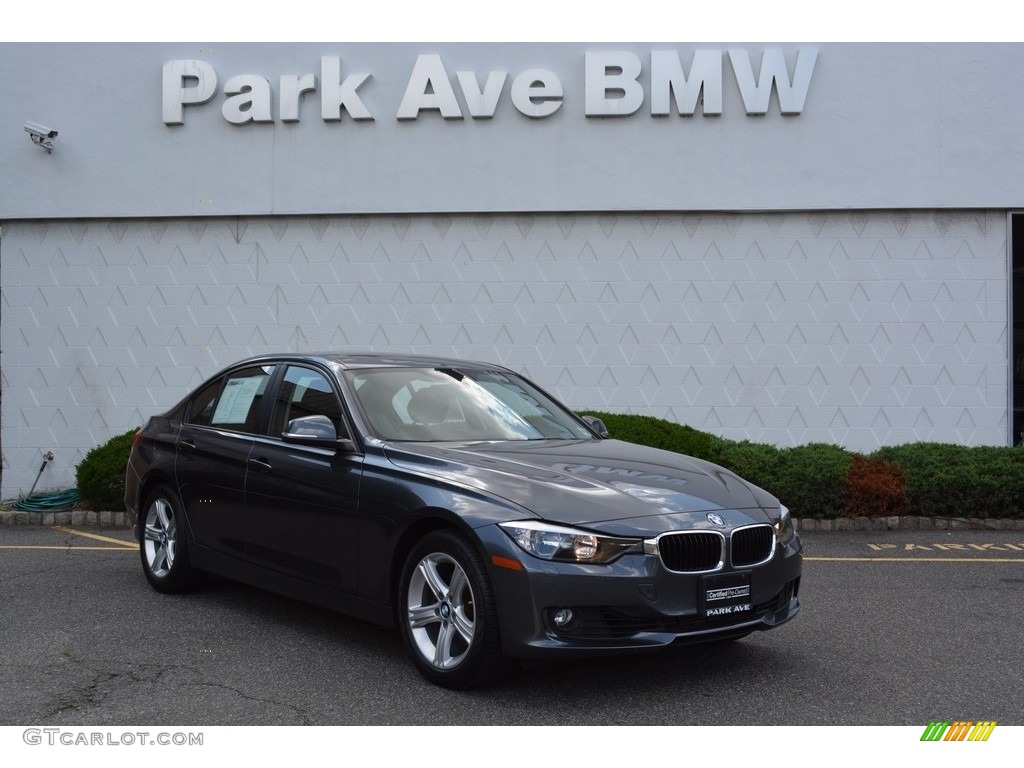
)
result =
(58, 501)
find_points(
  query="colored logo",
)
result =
(961, 730)
(716, 519)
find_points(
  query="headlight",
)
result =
(784, 525)
(568, 545)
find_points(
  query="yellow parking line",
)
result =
(913, 560)
(122, 542)
(68, 547)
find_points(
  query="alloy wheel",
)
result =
(160, 537)
(441, 610)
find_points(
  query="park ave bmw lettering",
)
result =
(616, 84)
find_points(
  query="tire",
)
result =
(447, 614)
(163, 544)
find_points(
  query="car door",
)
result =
(213, 449)
(301, 501)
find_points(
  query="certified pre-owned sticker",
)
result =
(728, 593)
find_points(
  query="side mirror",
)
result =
(316, 431)
(597, 425)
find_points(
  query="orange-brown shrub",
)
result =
(874, 489)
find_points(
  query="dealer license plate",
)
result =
(726, 594)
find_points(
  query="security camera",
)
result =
(41, 135)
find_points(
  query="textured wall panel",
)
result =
(855, 328)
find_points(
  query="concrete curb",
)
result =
(910, 523)
(904, 523)
(79, 517)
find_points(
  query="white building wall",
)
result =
(895, 126)
(857, 328)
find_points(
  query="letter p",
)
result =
(177, 94)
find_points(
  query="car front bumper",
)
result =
(632, 604)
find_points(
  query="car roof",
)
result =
(353, 360)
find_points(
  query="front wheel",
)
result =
(447, 613)
(164, 546)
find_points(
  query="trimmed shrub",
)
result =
(757, 463)
(874, 489)
(811, 479)
(100, 475)
(958, 481)
(826, 481)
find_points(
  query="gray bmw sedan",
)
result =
(459, 502)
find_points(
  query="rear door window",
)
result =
(233, 402)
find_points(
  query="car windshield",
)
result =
(445, 404)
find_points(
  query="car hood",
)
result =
(585, 482)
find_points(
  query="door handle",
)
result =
(260, 464)
(186, 443)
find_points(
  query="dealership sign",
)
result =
(616, 84)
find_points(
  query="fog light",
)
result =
(562, 617)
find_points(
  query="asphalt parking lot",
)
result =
(897, 628)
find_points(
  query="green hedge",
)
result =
(809, 479)
(100, 475)
(825, 481)
(658, 433)
(757, 462)
(958, 481)
(814, 481)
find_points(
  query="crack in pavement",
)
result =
(106, 682)
(27, 574)
(302, 714)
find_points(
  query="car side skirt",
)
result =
(210, 560)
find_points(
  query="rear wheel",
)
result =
(164, 546)
(447, 614)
